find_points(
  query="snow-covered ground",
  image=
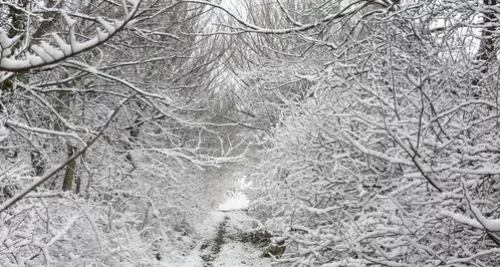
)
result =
(238, 201)
(216, 244)
(239, 254)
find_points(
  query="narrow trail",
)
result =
(224, 243)
(211, 248)
(226, 238)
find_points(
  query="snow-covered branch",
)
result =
(45, 54)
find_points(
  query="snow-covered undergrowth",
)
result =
(124, 218)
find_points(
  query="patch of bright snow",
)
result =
(236, 254)
(237, 201)
(4, 132)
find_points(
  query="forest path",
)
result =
(224, 243)
(224, 239)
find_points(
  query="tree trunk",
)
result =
(487, 51)
(78, 184)
(70, 170)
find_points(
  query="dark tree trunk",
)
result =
(70, 170)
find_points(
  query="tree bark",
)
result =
(487, 49)
(70, 170)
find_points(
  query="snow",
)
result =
(191, 260)
(238, 201)
(69, 21)
(490, 225)
(5, 41)
(131, 23)
(233, 253)
(46, 54)
(107, 26)
(65, 48)
(101, 35)
(346, 263)
(238, 254)
(4, 132)
(42, 53)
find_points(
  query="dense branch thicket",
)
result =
(134, 193)
(384, 148)
(375, 125)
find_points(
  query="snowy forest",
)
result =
(362, 132)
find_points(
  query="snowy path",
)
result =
(222, 241)
(221, 245)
